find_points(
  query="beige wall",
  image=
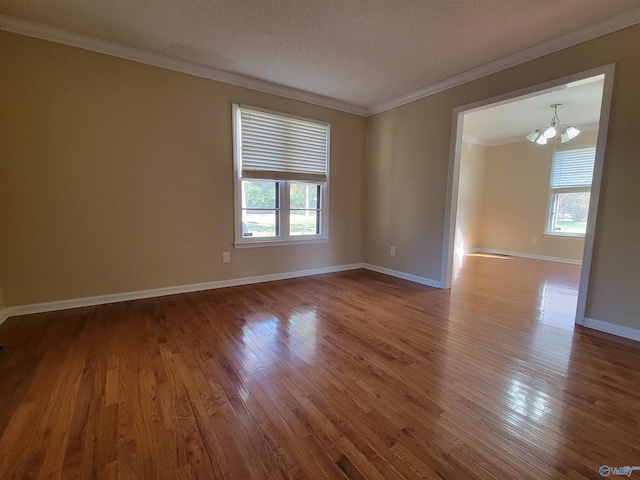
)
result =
(471, 191)
(515, 200)
(406, 185)
(407, 168)
(117, 176)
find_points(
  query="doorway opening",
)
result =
(502, 200)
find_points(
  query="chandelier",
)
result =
(543, 134)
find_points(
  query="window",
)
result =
(571, 175)
(281, 169)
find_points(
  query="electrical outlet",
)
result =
(534, 240)
(226, 257)
(393, 251)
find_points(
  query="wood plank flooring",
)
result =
(353, 375)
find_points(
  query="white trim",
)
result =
(584, 34)
(475, 141)
(619, 330)
(405, 276)
(198, 287)
(594, 199)
(589, 32)
(451, 202)
(613, 329)
(281, 243)
(44, 32)
(579, 236)
(520, 138)
(454, 173)
(536, 90)
(524, 255)
(283, 210)
(160, 292)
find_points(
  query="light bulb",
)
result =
(568, 133)
(550, 132)
(533, 136)
(572, 132)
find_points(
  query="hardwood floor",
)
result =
(352, 375)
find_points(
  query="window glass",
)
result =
(303, 195)
(281, 163)
(304, 222)
(304, 218)
(260, 208)
(569, 212)
(571, 176)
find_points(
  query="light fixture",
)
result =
(543, 134)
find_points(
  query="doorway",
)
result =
(508, 119)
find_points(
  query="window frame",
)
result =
(548, 231)
(283, 190)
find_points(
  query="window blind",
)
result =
(278, 147)
(572, 168)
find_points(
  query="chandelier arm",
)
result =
(553, 130)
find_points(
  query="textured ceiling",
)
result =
(361, 52)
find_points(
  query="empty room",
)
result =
(309, 240)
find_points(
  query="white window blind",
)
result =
(279, 147)
(572, 168)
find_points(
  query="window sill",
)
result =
(280, 243)
(565, 235)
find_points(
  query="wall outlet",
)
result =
(226, 257)
(534, 240)
(392, 252)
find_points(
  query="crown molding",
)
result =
(56, 35)
(474, 140)
(589, 32)
(520, 138)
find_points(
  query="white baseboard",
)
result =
(197, 287)
(606, 327)
(524, 255)
(159, 292)
(406, 276)
(612, 328)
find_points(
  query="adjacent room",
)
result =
(307, 240)
(526, 195)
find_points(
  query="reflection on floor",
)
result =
(553, 284)
(353, 375)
